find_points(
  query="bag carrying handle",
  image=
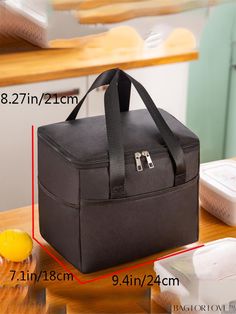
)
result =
(170, 139)
(114, 135)
(113, 126)
(105, 78)
(116, 151)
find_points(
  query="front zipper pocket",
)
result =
(139, 178)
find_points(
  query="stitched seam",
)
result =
(80, 240)
(198, 211)
(127, 198)
(56, 198)
(168, 190)
(93, 163)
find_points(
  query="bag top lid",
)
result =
(84, 141)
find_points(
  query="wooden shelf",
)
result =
(170, 5)
(120, 47)
(84, 4)
(102, 11)
(119, 12)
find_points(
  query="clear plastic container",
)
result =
(174, 29)
(207, 276)
(37, 22)
(218, 189)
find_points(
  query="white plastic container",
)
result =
(207, 277)
(218, 189)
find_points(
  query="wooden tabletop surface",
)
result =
(101, 296)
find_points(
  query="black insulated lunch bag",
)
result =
(116, 188)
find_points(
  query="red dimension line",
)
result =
(32, 172)
(58, 261)
(144, 263)
(63, 264)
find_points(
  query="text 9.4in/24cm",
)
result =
(145, 280)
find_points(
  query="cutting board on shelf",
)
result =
(85, 4)
(102, 11)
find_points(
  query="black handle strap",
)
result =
(116, 151)
(114, 138)
(124, 87)
(105, 78)
(170, 139)
(114, 135)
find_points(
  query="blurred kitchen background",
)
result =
(200, 91)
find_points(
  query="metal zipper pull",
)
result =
(148, 158)
(139, 166)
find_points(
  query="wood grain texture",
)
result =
(83, 4)
(9, 45)
(118, 12)
(101, 296)
(18, 294)
(16, 300)
(6, 279)
(124, 10)
(120, 47)
(171, 6)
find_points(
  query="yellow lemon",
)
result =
(15, 245)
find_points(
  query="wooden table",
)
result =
(101, 296)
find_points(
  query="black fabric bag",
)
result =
(117, 188)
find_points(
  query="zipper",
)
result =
(138, 161)
(148, 159)
(128, 155)
(146, 155)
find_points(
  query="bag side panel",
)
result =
(56, 174)
(60, 226)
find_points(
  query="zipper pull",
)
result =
(139, 166)
(148, 159)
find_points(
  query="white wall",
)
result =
(15, 137)
(167, 84)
